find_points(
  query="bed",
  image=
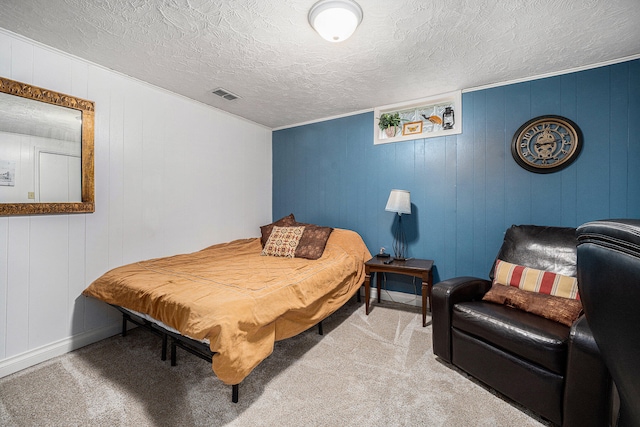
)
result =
(238, 298)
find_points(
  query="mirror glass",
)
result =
(46, 151)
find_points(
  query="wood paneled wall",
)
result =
(467, 189)
(172, 175)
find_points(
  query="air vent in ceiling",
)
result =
(223, 93)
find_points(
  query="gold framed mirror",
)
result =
(46, 151)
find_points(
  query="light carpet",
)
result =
(375, 370)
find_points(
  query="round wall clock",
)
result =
(546, 144)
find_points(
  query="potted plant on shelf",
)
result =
(389, 123)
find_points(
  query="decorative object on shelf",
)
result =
(421, 118)
(335, 20)
(433, 119)
(412, 128)
(389, 123)
(448, 118)
(399, 202)
(546, 144)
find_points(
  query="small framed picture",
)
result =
(412, 128)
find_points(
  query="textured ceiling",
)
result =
(266, 52)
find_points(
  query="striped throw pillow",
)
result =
(532, 280)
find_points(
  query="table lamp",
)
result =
(399, 202)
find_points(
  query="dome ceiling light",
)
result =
(335, 20)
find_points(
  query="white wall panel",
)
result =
(17, 340)
(5, 52)
(48, 279)
(21, 61)
(4, 280)
(51, 70)
(132, 175)
(79, 78)
(163, 165)
(98, 222)
(177, 183)
(77, 281)
(116, 166)
(153, 204)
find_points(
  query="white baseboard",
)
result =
(30, 358)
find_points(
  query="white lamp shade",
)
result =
(399, 201)
(335, 20)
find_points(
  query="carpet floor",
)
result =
(375, 370)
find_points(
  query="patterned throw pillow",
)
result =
(265, 230)
(530, 279)
(283, 241)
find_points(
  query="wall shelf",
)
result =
(415, 118)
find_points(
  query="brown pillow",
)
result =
(313, 241)
(265, 230)
(558, 309)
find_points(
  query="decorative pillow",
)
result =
(558, 309)
(265, 230)
(313, 241)
(530, 279)
(283, 241)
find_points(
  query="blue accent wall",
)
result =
(466, 190)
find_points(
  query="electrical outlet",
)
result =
(31, 195)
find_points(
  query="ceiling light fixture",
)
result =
(335, 20)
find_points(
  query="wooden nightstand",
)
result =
(412, 267)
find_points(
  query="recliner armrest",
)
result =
(443, 296)
(588, 385)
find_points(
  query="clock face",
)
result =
(546, 144)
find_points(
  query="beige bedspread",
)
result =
(241, 301)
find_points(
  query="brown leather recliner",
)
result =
(552, 369)
(609, 283)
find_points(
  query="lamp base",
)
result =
(399, 241)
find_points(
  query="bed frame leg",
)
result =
(124, 325)
(173, 352)
(320, 331)
(234, 393)
(358, 298)
(164, 347)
